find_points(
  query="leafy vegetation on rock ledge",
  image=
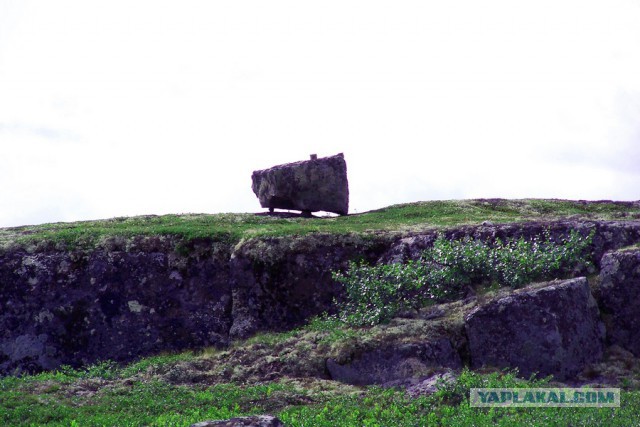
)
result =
(230, 227)
(376, 293)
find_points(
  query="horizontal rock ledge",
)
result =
(138, 296)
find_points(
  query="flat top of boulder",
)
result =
(301, 163)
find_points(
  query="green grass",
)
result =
(231, 228)
(135, 404)
(450, 407)
(145, 393)
(130, 401)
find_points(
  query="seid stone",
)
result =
(308, 186)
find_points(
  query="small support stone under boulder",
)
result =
(552, 329)
(307, 186)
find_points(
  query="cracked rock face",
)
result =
(130, 297)
(554, 329)
(75, 308)
(124, 301)
(309, 186)
(619, 298)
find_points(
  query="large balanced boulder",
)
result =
(553, 329)
(308, 186)
(619, 297)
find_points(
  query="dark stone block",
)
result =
(307, 186)
(553, 330)
(619, 298)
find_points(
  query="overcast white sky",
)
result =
(117, 108)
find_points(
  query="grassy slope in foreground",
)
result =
(106, 395)
(231, 227)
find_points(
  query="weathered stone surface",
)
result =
(120, 301)
(619, 298)
(279, 283)
(255, 421)
(137, 296)
(308, 186)
(134, 297)
(393, 363)
(551, 328)
(431, 384)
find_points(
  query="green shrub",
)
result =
(374, 294)
(458, 263)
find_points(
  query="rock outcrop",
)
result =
(282, 281)
(308, 186)
(120, 301)
(552, 330)
(255, 421)
(385, 365)
(619, 298)
(130, 297)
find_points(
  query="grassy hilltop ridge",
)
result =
(232, 227)
(285, 373)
